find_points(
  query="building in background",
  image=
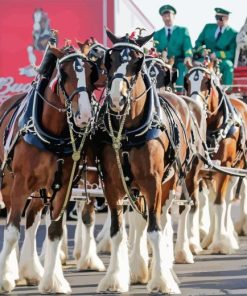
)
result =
(25, 27)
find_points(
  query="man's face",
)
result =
(222, 20)
(168, 18)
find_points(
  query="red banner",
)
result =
(25, 27)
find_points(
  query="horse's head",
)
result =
(123, 63)
(74, 77)
(198, 85)
(95, 52)
(163, 74)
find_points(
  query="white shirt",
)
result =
(218, 30)
(166, 28)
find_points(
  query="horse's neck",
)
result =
(137, 106)
(53, 120)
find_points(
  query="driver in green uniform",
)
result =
(220, 39)
(175, 40)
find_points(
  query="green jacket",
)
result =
(179, 45)
(224, 48)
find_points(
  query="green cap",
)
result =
(167, 8)
(221, 11)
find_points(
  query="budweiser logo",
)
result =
(8, 86)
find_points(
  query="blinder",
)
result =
(94, 76)
(122, 46)
(196, 77)
(62, 74)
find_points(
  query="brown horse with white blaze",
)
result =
(42, 133)
(226, 140)
(135, 154)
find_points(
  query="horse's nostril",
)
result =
(77, 114)
(122, 101)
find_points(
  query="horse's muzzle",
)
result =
(118, 105)
(82, 119)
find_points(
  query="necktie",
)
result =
(219, 34)
(168, 34)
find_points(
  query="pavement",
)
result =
(209, 275)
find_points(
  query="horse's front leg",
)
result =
(204, 215)
(168, 195)
(53, 280)
(117, 278)
(103, 237)
(192, 183)
(221, 243)
(241, 224)
(89, 260)
(14, 196)
(30, 267)
(224, 241)
(139, 249)
(162, 279)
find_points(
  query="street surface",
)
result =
(210, 275)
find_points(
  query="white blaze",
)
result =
(117, 86)
(196, 87)
(84, 105)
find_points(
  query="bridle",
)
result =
(69, 98)
(130, 83)
(204, 99)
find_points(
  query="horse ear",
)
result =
(143, 40)
(80, 44)
(171, 61)
(84, 47)
(111, 36)
(57, 52)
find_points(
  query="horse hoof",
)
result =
(161, 284)
(220, 249)
(91, 263)
(7, 285)
(195, 248)
(184, 257)
(54, 285)
(32, 282)
(241, 228)
(138, 270)
(206, 241)
(114, 283)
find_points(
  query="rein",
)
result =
(76, 156)
(129, 98)
(49, 103)
(116, 144)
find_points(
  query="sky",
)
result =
(194, 14)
